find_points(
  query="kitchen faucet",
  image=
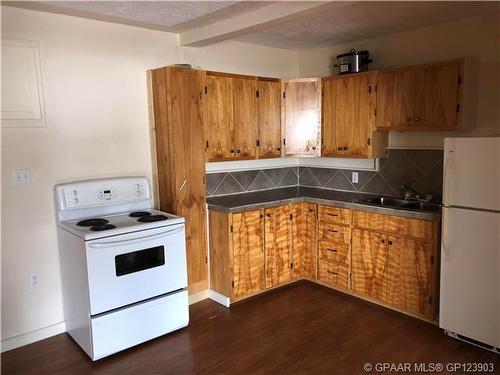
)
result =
(411, 194)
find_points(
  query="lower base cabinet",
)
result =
(385, 258)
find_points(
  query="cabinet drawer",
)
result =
(334, 232)
(421, 229)
(333, 273)
(334, 215)
(333, 251)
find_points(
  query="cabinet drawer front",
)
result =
(334, 215)
(333, 251)
(334, 232)
(333, 273)
(421, 229)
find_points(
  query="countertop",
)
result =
(276, 197)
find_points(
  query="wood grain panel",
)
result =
(219, 128)
(301, 117)
(334, 215)
(305, 240)
(248, 253)
(369, 261)
(334, 233)
(335, 274)
(417, 98)
(221, 273)
(278, 245)
(269, 113)
(245, 116)
(333, 251)
(421, 229)
(407, 276)
(348, 115)
(179, 128)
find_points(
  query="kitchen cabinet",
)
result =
(278, 245)
(248, 253)
(269, 118)
(334, 235)
(348, 117)
(304, 240)
(397, 269)
(301, 117)
(178, 115)
(231, 112)
(423, 97)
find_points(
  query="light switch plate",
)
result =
(21, 176)
(354, 177)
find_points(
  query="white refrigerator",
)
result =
(470, 249)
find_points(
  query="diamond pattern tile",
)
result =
(213, 181)
(290, 179)
(378, 185)
(340, 182)
(307, 178)
(323, 175)
(245, 178)
(261, 182)
(229, 186)
(276, 174)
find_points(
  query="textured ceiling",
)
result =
(328, 24)
(342, 22)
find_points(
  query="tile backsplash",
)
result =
(420, 169)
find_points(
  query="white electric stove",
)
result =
(123, 264)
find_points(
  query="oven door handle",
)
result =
(100, 245)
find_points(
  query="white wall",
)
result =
(94, 76)
(477, 39)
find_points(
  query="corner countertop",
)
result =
(276, 197)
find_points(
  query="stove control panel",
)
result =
(94, 193)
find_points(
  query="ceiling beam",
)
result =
(246, 23)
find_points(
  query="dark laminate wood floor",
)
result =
(303, 328)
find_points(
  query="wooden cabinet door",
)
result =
(302, 117)
(219, 118)
(369, 262)
(419, 98)
(441, 96)
(406, 284)
(269, 111)
(248, 253)
(304, 240)
(245, 117)
(348, 115)
(278, 245)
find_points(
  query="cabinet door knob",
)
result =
(416, 119)
(268, 215)
(339, 148)
(278, 149)
(382, 241)
(390, 242)
(345, 148)
(314, 148)
(408, 119)
(232, 151)
(237, 151)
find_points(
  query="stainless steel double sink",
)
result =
(402, 204)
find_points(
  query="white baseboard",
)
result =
(219, 298)
(31, 337)
(197, 297)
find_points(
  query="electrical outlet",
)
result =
(21, 176)
(34, 280)
(354, 177)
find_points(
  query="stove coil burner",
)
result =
(151, 218)
(98, 228)
(92, 222)
(139, 214)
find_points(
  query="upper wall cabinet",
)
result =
(348, 117)
(231, 116)
(301, 117)
(424, 97)
(269, 111)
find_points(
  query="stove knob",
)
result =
(138, 193)
(75, 200)
(75, 193)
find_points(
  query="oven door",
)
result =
(133, 267)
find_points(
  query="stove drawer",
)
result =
(136, 324)
(134, 267)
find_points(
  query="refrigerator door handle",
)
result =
(445, 243)
(448, 185)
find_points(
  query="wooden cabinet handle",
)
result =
(345, 148)
(339, 148)
(268, 215)
(382, 241)
(333, 230)
(408, 119)
(232, 151)
(333, 273)
(416, 119)
(332, 214)
(332, 250)
(390, 242)
(237, 151)
(261, 216)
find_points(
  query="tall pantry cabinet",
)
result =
(179, 126)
